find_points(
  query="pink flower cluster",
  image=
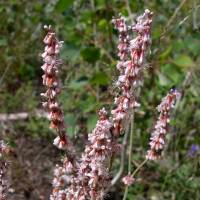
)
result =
(93, 177)
(63, 178)
(3, 171)
(89, 177)
(157, 140)
(63, 175)
(128, 180)
(131, 54)
(124, 42)
(51, 81)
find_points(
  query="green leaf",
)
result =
(100, 78)
(195, 183)
(70, 119)
(91, 122)
(77, 85)
(172, 73)
(197, 115)
(87, 16)
(63, 5)
(156, 33)
(102, 24)
(192, 45)
(101, 4)
(178, 46)
(163, 80)
(90, 54)
(164, 54)
(70, 52)
(183, 61)
(3, 42)
(89, 104)
(26, 72)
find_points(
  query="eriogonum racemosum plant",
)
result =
(88, 177)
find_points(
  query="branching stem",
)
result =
(133, 174)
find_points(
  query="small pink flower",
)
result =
(128, 180)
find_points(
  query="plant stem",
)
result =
(131, 142)
(139, 167)
(130, 150)
(133, 174)
(123, 157)
(125, 193)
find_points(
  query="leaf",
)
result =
(77, 85)
(197, 115)
(178, 46)
(87, 16)
(91, 122)
(102, 24)
(172, 73)
(90, 54)
(3, 42)
(70, 52)
(26, 72)
(163, 80)
(88, 103)
(156, 33)
(192, 45)
(100, 78)
(101, 4)
(183, 61)
(164, 54)
(70, 119)
(63, 5)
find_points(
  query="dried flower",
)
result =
(51, 81)
(128, 180)
(157, 140)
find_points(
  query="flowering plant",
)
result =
(89, 176)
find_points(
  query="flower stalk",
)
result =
(63, 175)
(158, 136)
(131, 54)
(51, 81)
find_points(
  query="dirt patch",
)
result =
(32, 164)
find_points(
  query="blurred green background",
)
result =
(88, 72)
